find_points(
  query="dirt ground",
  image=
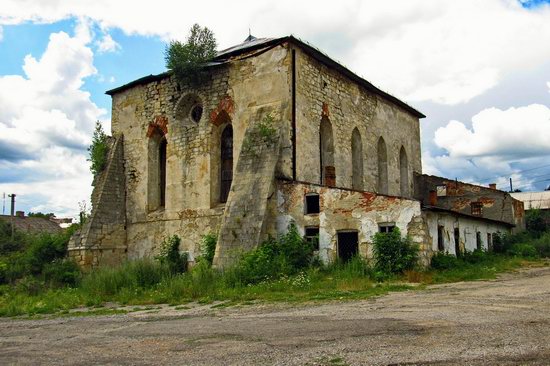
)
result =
(500, 322)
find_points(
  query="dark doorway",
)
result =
(162, 171)
(457, 242)
(226, 162)
(440, 238)
(348, 245)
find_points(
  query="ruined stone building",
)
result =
(275, 132)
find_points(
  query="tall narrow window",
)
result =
(326, 145)
(226, 166)
(382, 167)
(440, 238)
(162, 172)
(357, 160)
(403, 172)
(457, 242)
(156, 170)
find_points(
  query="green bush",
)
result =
(445, 261)
(187, 59)
(62, 272)
(44, 249)
(9, 243)
(272, 259)
(171, 256)
(542, 245)
(523, 250)
(208, 247)
(393, 254)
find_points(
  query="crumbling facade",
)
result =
(275, 132)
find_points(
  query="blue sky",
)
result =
(480, 71)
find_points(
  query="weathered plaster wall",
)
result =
(323, 92)
(467, 231)
(343, 209)
(230, 94)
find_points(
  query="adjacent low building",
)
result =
(275, 132)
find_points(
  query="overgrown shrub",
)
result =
(171, 256)
(524, 250)
(8, 242)
(272, 259)
(542, 245)
(44, 249)
(208, 247)
(62, 272)
(187, 59)
(444, 261)
(98, 150)
(394, 254)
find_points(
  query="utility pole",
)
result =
(3, 203)
(511, 188)
(12, 196)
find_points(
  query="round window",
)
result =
(196, 113)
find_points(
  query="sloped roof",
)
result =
(252, 43)
(32, 225)
(534, 200)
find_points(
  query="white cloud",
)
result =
(548, 85)
(444, 51)
(513, 133)
(46, 121)
(107, 44)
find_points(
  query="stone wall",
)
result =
(102, 239)
(230, 94)
(324, 93)
(344, 210)
(459, 196)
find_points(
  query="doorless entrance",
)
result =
(348, 245)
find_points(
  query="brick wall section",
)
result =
(497, 205)
(102, 239)
(243, 222)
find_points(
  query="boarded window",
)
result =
(312, 236)
(312, 205)
(162, 171)
(477, 208)
(489, 242)
(382, 167)
(440, 238)
(326, 145)
(357, 160)
(403, 172)
(226, 166)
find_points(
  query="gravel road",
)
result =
(500, 322)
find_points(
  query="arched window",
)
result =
(162, 171)
(156, 192)
(326, 145)
(226, 162)
(403, 172)
(356, 160)
(382, 167)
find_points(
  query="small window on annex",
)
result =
(479, 244)
(312, 236)
(477, 208)
(312, 205)
(440, 238)
(386, 227)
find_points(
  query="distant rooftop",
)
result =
(32, 225)
(533, 200)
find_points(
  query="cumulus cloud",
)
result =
(500, 144)
(514, 133)
(46, 121)
(107, 44)
(422, 50)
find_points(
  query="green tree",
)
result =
(98, 150)
(187, 59)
